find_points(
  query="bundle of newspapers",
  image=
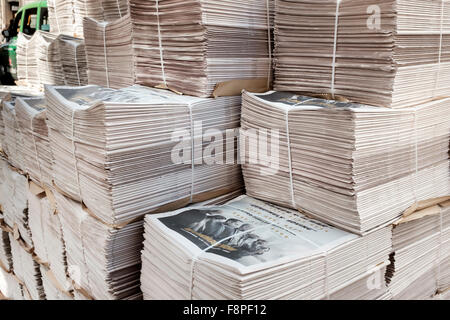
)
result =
(420, 265)
(13, 140)
(354, 166)
(26, 269)
(37, 157)
(61, 18)
(48, 241)
(8, 93)
(250, 249)
(133, 151)
(66, 16)
(48, 59)
(109, 52)
(15, 202)
(74, 61)
(191, 46)
(102, 261)
(26, 60)
(384, 53)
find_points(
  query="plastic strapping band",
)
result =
(56, 15)
(191, 119)
(333, 65)
(160, 44)
(74, 152)
(26, 60)
(106, 57)
(48, 64)
(76, 64)
(438, 280)
(35, 149)
(118, 7)
(269, 38)
(440, 49)
(291, 174)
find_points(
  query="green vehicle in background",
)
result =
(29, 19)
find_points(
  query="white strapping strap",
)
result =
(333, 64)
(191, 119)
(269, 38)
(441, 241)
(288, 138)
(56, 15)
(76, 64)
(74, 152)
(26, 60)
(46, 59)
(105, 53)
(161, 57)
(36, 150)
(436, 83)
(118, 7)
(291, 173)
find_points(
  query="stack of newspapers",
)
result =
(250, 249)
(15, 203)
(27, 270)
(386, 53)
(47, 235)
(31, 119)
(354, 166)
(62, 19)
(102, 260)
(74, 60)
(420, 262)
(191, 46)
(26, 60)
(8, 93)
(128, 152)
(48, 59)
(109, 52)
(13, 140)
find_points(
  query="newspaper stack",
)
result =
(354, 166)
(421, 258)
(31, 118)
(26, 63)
(109, 52)
(109, 269)
(8, 93)
(13, 140)
(384, 53)
(126, 153)
(50, 70)
(15, 203)
(191, 46)
(47, 235)
(52, 289)
(27, 270)
(62, 18)
(74, 63)
(249, 249)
